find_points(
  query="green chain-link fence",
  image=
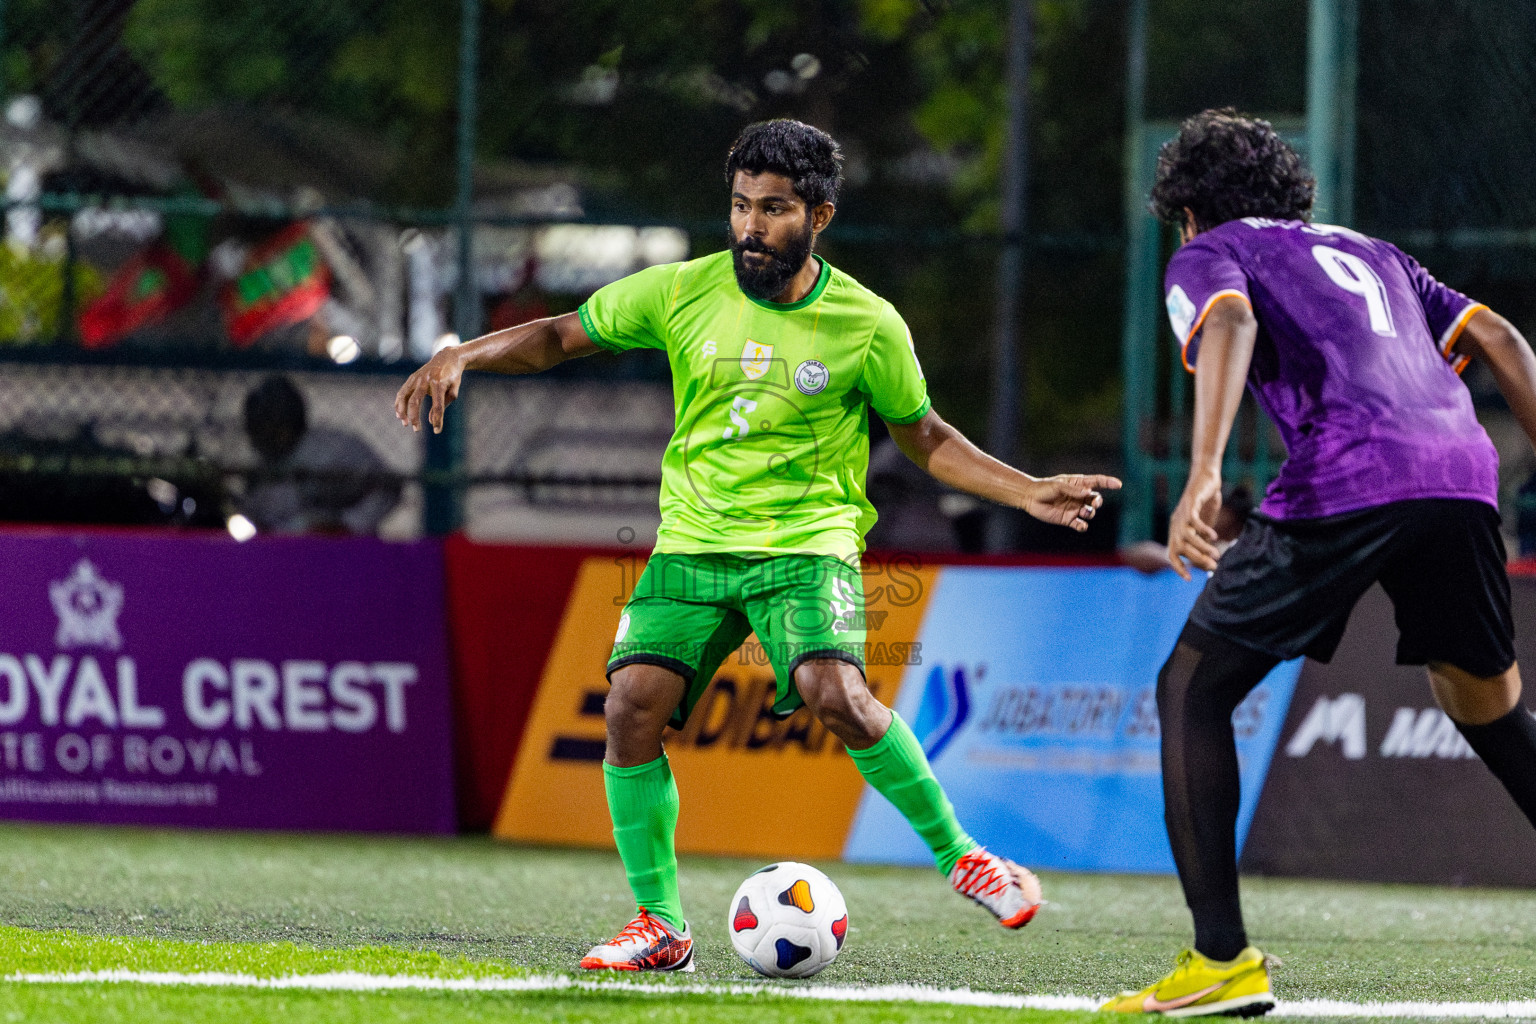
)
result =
(285, 185)
(225, 186)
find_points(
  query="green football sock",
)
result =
(643, 804)
(897, 769)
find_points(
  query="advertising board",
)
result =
(1033, 691)
(189, 680)
(1036, 703)
(1373, 782)
(751, 785)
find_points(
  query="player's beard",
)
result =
(768, 279)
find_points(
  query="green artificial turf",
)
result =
(274, 904)
(28, 954)
(144, 1005)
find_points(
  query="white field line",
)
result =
(354, 981)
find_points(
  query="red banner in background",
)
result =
(285, 280)
(148, 288)
(504, 607)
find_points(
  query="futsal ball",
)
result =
(788, 920)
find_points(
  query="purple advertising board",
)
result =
(295, 683)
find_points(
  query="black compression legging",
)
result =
(1202, 683)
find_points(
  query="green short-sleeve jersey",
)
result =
(771, 447)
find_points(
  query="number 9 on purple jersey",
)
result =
(1354, 363)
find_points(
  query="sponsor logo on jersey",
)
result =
(1181, 313)
(811, 377)
(755, 358)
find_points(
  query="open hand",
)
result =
(1070, 500)
(1192, 528)
(438, 378)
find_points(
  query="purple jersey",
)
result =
(1355, 363)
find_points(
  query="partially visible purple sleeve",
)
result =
(1201, 272)
(1445, 309)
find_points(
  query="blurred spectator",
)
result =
(313, 479)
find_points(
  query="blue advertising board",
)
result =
(1035, 701)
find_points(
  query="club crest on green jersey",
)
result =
(811, 377)
(755, 359)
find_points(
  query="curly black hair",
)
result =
(1224, 165)
(807, 156)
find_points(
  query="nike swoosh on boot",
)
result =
(1152, 1004)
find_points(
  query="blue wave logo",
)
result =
(945, 707)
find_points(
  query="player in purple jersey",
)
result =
(1354, 351)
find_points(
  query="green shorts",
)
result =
(689, 612)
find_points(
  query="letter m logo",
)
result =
(1338, 720)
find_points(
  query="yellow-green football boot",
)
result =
(1198, 987)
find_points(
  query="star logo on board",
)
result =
(87, 605)
(755, 358)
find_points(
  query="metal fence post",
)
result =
(444, 510)
(1349, 73)
(1008, 402)
(1331, 73)
(1138, 368)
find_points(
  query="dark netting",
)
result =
(270, 185)
(1444, 165)
(1447, 169)
(1446, 160)
(1447, 93)
(176, 172)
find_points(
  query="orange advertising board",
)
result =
(751, 785)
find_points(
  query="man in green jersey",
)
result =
(777, 359)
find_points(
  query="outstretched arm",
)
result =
(528, 348)
(945, 454)
(1221, 370)
(1494, 340)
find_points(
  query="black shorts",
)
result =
(1287, 586)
